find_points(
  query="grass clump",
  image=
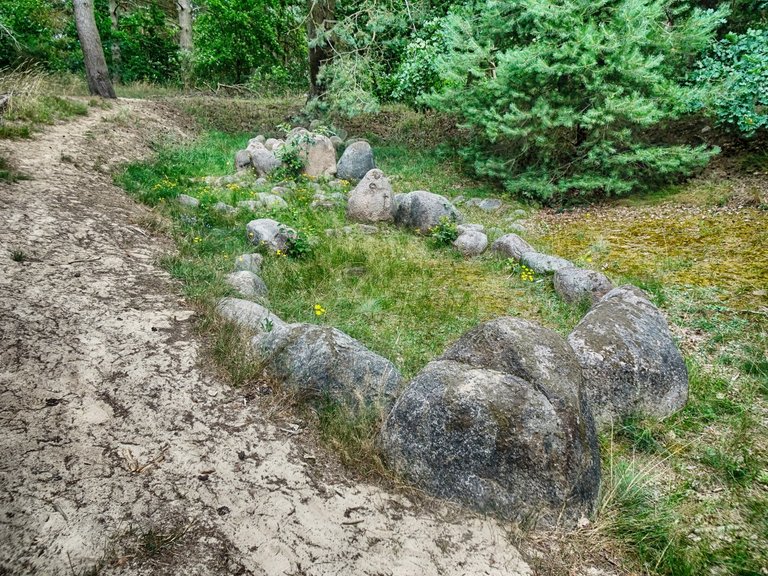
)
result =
(36, 98)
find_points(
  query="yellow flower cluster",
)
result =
(526, 274)
(319, 310)
(197, 239)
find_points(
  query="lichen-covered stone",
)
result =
(630, 361)
(544, 263)
(576, 284)
(511, 246)
(372, 199)
(422, 210)
(324, 362)
(499, 423)
(471, 243)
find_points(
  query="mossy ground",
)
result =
(685, 496)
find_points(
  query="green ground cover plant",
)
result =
(684, 496)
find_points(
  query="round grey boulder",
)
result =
(372, 199)
(471, 243)
(247, 284)
(499, 423)
(247, 314)
(263, 160)
(269, 234)
(243, 160)
(324, 362)
(511, 246)
(422, 210)
(576, 285)
(249, 262)
(544, 263)
(630, 361)
(224, 208)
(355, 162)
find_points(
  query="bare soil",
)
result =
(120, 452)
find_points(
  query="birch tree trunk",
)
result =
(93, 53)
(184, 8)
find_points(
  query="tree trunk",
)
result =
(320, 19)
(115, 19)
(93, 54)
(184, 8)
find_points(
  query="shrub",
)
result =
(148, 46)
(735, 75)
(556, 96)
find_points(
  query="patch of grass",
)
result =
(8, 173)
(37, 98)
(240, 115)
(18, 256)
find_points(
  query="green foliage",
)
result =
(557, 97)
(236, 38)
(298, 245)
(417, 74)
(148, 46)
(35, 31)
(444, 233)
(735, 75)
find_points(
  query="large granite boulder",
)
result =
(316, 151)
(324, 362)
(511, 246)
(356, 162)
(576, 284)
(372, 199)
(269, 234)
(243, 160)
(422, 210)
(630, 361)
(499, 423)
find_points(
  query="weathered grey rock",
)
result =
(261, 201)
(630, 362)
(248, 315)
(258, 139)
(422, 210)
(247, 284)
(511, 246)
(263, 160)
(499, 423)
(576, 284)
(519, 213)
(519, 226)
(336, 141)
(249, 262)
(315, 124)
(279, 190)
(490, 204)
(317, 152)
(243, 160)
(323, 361)
(224, 208)
(461, 228)
(270, 143)
(372, 199)
(363, 229)
(356, 162)
(269, 234)
(187, 201)
(471, 243)
(544, 263)
(261, 181)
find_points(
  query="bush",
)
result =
(735, 76)
(557, 96)
(148, 46)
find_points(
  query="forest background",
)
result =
(559, 101)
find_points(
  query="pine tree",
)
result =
(558, 94)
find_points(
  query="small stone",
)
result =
(188, 201)
(490, 204)
(249, 262)
(224, 208)
(471, 243)
(461, 228)
(544, 263)
(511, 246)
(247, 284)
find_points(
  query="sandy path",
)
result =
(99, 378)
